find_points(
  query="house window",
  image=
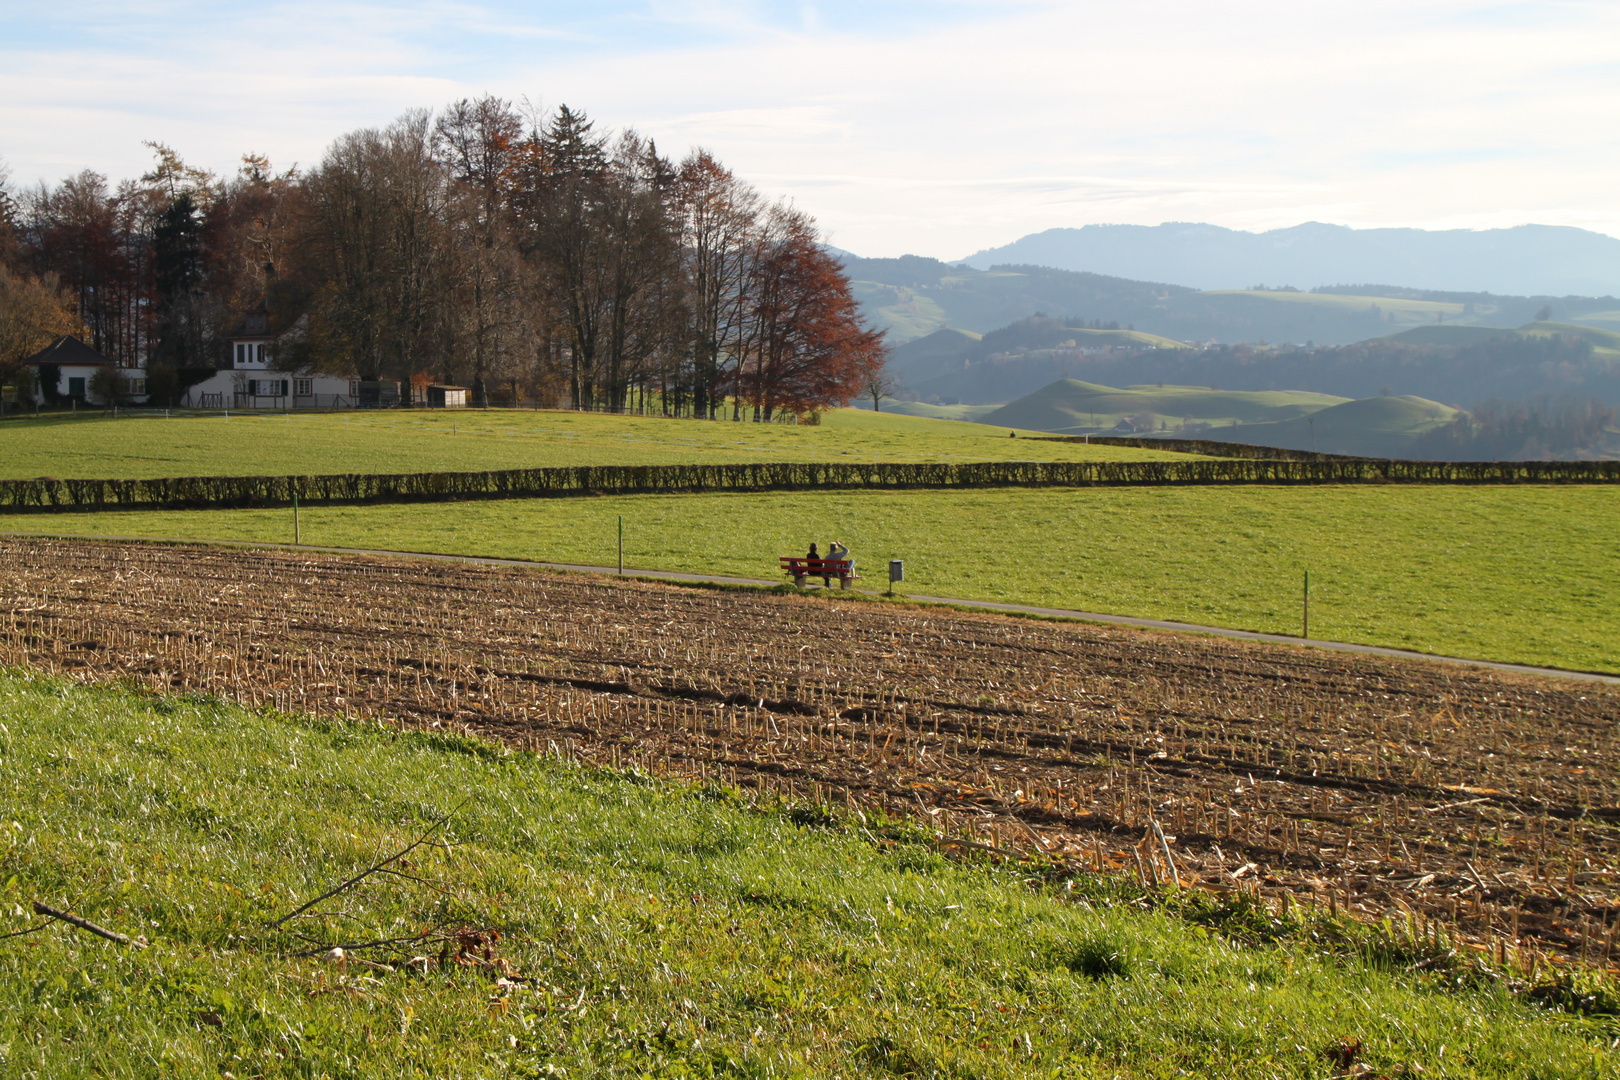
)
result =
(354, 388)
(261, 353)
(134, 386)
(76, 386)
(303, 387)
(241, 354)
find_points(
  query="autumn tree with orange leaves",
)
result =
(809, 348)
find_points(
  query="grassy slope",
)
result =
(905, 313)
(1527, 574)
(1095, 338)
(422, 441)
(1071, 404)
(1604, 342)
(1405, 310)
(939, 412)
(1371, 427)
(1603, 320)
(1445, 335)
(667, 932)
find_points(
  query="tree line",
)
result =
(526, 255)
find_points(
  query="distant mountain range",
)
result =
(1528, 260)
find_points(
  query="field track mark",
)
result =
(1103, 617)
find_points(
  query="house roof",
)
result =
(67, 349)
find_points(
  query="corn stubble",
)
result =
(1434, 796)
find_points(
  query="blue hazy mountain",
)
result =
(1528, 260)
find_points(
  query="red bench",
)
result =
(801, 569)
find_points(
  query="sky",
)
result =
(935, 128)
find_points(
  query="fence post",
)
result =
(621, 545)
(1305, 629)
(296, 537)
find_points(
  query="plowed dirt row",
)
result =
(1398, 788)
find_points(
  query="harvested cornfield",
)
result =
(1411, 790)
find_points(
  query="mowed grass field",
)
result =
(142, 445)
(1523, 574)
(624, 926)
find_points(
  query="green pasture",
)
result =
(1591, 328)
(1370, 427)
(646, 929)
(1073, 406)
(1523, 573)
(146, 444)
(1405, 311)
(1605, 343)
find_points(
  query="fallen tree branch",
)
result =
(372, 869)
(86, 924)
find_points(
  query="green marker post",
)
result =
(621, 545)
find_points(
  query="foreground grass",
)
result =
(647, 929)
(1521, 574)
(140, 445)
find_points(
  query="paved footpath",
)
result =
(988, 605)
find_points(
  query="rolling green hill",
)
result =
(1444, 335)
(1370, 427)
(951, 365)
(1070, 406)
(1604, 342)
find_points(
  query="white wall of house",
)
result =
(260, 388)
(68, 386)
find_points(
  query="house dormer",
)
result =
(250, 343)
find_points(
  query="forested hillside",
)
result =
(1461, 366)
(529, 257)
(912, 297)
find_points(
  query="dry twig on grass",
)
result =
(86, 924)
(368, 871)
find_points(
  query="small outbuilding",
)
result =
(66, 371)
(443, 396)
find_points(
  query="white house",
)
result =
(76, 365)
(251, 381)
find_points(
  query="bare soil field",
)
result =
(1398, 789)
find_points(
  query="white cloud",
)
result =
(937, 128)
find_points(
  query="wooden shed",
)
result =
(442, 396)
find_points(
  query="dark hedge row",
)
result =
(249, 491)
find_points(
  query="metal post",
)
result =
(297, 539)
(621, 545)
(1305, 631)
